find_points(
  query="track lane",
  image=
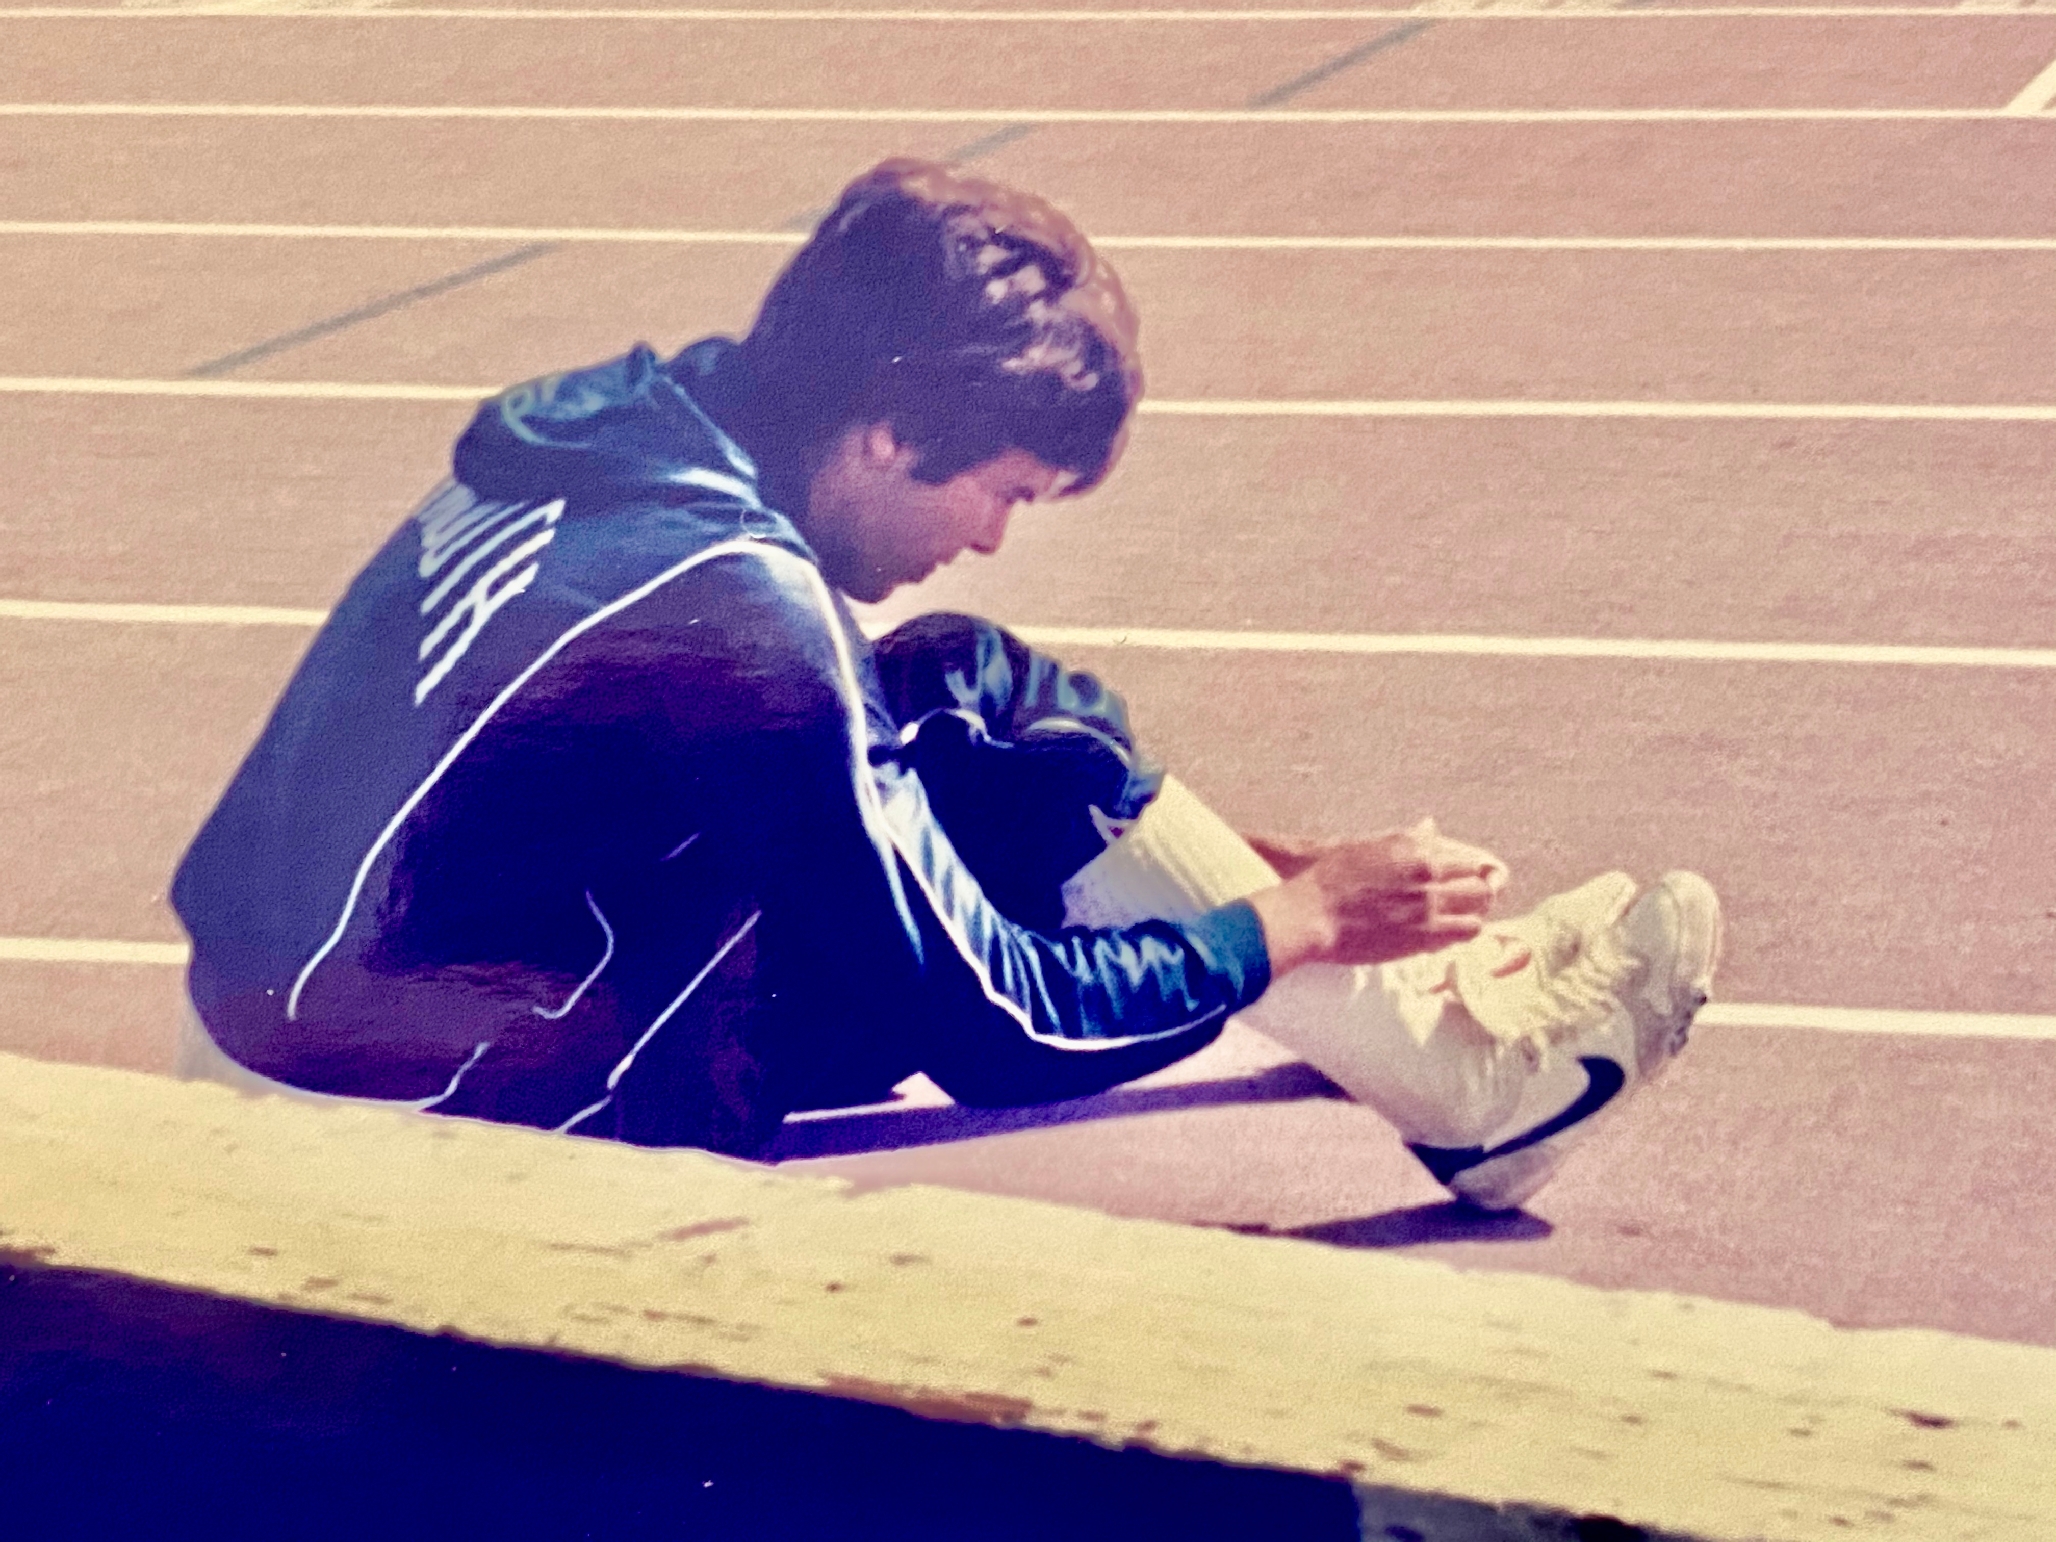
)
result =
(437, 172)
(92, 1014)
(186, 301)
(1706, 62)
(1476, 325)
(1983, 178)
(1843, 533)
(1865, 534)
(1979, 61)
(630, 63)
(1815, 799)
(1851, 1178)
(1822, 804)
(1714, 179)
(174, 305)
(279, 503)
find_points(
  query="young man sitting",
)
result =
(591, 808)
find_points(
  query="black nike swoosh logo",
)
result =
(1603, 1081)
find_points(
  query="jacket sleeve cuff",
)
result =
(1231, 941)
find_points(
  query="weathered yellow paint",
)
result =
(1716, 1420)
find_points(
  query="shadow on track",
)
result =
(1452, 1221)
(886, 1129)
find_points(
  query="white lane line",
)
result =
(280, 390)
(655, 235)
(1942, 1025)
(1997, 412)
(1184, 640)
(159, 615)
(524, 234)
(1478, 646)
(1009, 115)
(397, 391)
(90, 950)
(1725, 1014)
(1441, 10)
(1579, 243)
(2037, 94)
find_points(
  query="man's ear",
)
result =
(881, 444)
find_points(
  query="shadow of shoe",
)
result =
(889, 1129)
(1453, 1221)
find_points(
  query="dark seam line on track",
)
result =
(1335, 66)
(984, 145)
(1000, 138)
(380, 307)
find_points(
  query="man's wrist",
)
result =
(1288, 859)
(1296, 926)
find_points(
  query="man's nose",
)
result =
(992, 529)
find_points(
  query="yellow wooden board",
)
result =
(1697, 1417)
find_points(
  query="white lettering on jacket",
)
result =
(476, 556)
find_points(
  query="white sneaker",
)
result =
(1601, 993)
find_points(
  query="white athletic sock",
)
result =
(1380, 1032)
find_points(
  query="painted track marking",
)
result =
(1945, 1025)
(1189, 116)
(403, 391)
(2037, 94)
(1475, 646)
(2029, 412)
(650, 235)
(1485, 11)
(129, 614)
(90, 950)
(281, 390)
(1727, 1014)
(1180, 640)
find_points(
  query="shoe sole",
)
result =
(1688, 962)
(1694, 933)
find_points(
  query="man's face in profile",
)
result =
(876, 526)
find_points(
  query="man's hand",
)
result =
(1374, 900)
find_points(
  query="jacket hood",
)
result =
(620, 429)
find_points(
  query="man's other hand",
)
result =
(1374, 900)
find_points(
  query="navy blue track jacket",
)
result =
(589, 808)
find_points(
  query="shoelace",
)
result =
(1569, 983)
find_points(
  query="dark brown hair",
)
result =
(973, 318)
